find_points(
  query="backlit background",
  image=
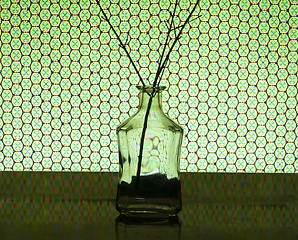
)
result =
(231, 82)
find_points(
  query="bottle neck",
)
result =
(144, 97)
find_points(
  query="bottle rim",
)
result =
(150, 88)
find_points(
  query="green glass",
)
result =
(157, 190)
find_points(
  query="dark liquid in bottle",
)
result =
(153, 193)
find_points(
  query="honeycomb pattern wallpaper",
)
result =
(231, 82)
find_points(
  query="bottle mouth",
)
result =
(150, 88)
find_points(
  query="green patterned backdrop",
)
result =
(231, 82)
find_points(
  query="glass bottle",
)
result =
(154, 190)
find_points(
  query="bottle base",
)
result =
(149, 209)
(152, 196)
(148, 219)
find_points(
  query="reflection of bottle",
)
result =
(157, 190)
(130, 229)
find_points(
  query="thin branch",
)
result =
(171, 29)
(175, 41)
(162, 71)
(164, 49)
(143, 139)
(105, 17)
(126, 40)
(149, 106)
(168, 27)
(188, 22)
(159, 70)
(127, 37)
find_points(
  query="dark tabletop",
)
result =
(44, 205)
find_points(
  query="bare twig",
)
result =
(164, 49)
(173, 29)
(150, 102)
(160, 70)
(175, 41)
(143, 139)
(105, 17)
(126, 42)
(168, 27)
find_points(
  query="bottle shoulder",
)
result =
(156, 120)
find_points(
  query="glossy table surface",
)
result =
(44, 205)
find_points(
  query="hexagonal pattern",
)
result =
(231, 80)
